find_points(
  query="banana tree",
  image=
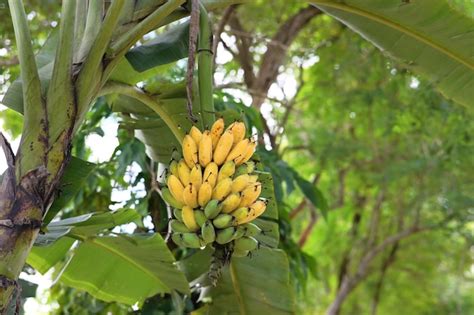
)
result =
(55, 92)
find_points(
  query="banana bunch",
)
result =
(213, 190)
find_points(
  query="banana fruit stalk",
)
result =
(214, 191)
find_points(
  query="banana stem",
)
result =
(205, 70)
(133, 92)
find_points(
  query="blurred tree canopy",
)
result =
(390, 157)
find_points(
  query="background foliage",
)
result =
(385, 150)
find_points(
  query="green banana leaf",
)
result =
(258, 284)
(429, 36)
(126, 269)
(75, 175)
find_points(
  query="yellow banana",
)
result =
(259, 207)
(173, 169)
(253, 178)
(250, 216)
(190, 195)
(210, 174)
(238, 131)
(230, 203)
(189, 220)
(195, 176)
(176, 188)
(204, 194)
(190, 151)
(216, 131)
(222, 189)
(196, 134)
(250, 194)
(248, 153)
(240, 182)
(205, 149)
(183, 172)
(227, 170)
(238, 151)
(223, 147)
(240, 214)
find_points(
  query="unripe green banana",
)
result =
(178, 239)
(245, 168)
(239, 232)
(168, 197)
(252, 229)
(208, 232)
(177, 226)
(245, 243)
(223, 221)
(239, 253)
(173, 168)
(191, 240)
(178, 214)
(225, 236)
(212, 209)
(200, 217)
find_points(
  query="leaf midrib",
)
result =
(396, 26)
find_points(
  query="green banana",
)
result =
(178, 239)
(212, 209)
(252, 229)
(245, 243)
(208, 232)
(225, 236)
(239, 232)
(246, 168)
(178, 214)
(200, 217)
(166, 194)
(191, 240)
(239, 253)
(223, 221)
(177, 226)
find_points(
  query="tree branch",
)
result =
(307, 231)
(273, 58)
(220, 28)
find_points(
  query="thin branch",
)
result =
(244, 56)
(193, 35)
(309, 228)
(220, 28)
(13, 61)
(273, 58)
(296, 210)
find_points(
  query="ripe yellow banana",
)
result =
(176, 188)
(183, 172)
(190, 195)
(222, 189)
(210, 174)
(223, 147)
(240, 214)
(204, 194)
(205, 149)
(227, 170)
(248, 153)
(259, 207)
(190, 151)
(250, 216)
(240, 182)
(238, 151)
(238, 131)
(196, 134)
(216, 131)
(250, 194)
(253, 179)
(195, 177)
(189, 220)
(230, 203)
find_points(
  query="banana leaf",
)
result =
(429, 36)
